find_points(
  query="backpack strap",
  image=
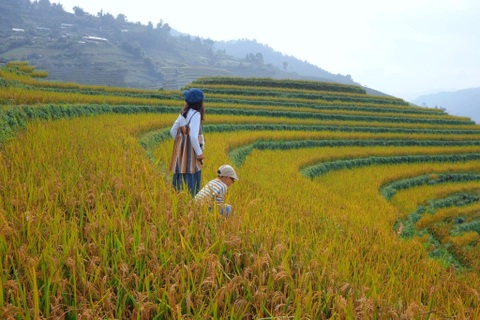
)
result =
(188, 124)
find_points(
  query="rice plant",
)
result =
(90, 226)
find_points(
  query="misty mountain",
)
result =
(102, 49)
(244, 48)
(460, 103)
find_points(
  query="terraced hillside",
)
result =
(348, 205)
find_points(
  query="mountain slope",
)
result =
(108, 50)
(243, 48)
(462, 103)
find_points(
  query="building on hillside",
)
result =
(95, 39)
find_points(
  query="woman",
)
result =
(187, 159)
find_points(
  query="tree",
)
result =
(121, 17)
(78, 11)
(24, 3)
(259, 57)
(44, 4)
(107, 19)
(57, 7)
(255, 58)
(209, 43)
(167, 28)
(10, 3)
(10, 14)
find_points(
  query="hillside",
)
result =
(463, 102)
(242, 48)
(98, 48)
(349, 205)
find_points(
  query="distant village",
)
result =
(20, 33)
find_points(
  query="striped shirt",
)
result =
(214, 191)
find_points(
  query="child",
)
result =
(214, 192)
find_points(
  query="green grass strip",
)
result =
(314, 105)
(280, 83)
(438, 248)
(473, 225)
(388, 190)
(238, 155)
(13, 118)
(160, 95)
(300, 95)
(333, 128)
(316, 170)
(337, 117)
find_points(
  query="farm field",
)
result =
(349, 206)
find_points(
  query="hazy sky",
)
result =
(404, 48)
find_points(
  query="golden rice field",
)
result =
(349, 206)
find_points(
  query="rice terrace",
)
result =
(349, 205)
